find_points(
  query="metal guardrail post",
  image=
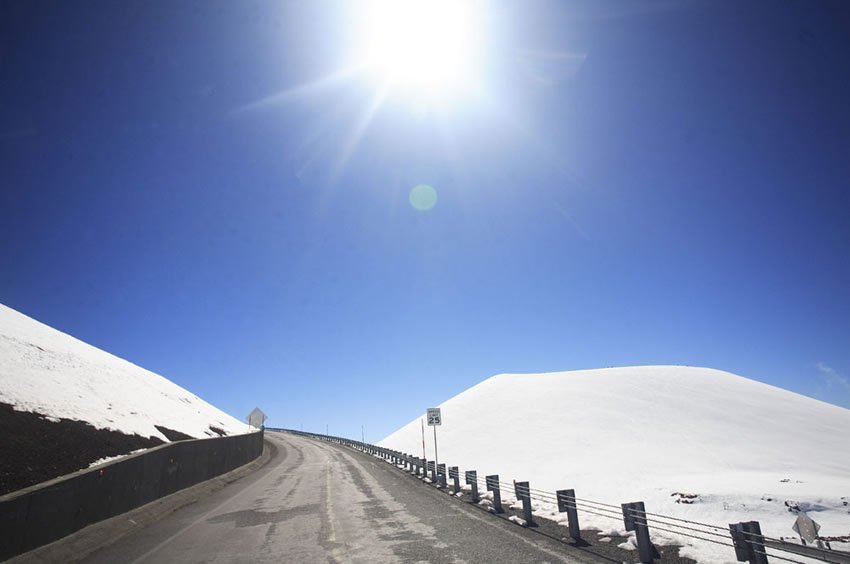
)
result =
(441, 475)
(567, 504)
(472, 480)
(492, 482)
(455, 476)
(634, 518)
(748, 542)
(523, 493)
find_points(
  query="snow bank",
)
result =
(46, 371)
(695, 443)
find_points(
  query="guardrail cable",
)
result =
(687, 521)
(599, 503)
(654, 521)
(726, 544)
(613, 513)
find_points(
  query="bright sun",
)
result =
(422, 44)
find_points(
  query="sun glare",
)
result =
(422, 44)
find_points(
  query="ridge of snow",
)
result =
(49, 372)
(649, 433)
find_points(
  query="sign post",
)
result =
(434, 419)
(422, 425)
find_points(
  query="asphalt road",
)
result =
(316, 502)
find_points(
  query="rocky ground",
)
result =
(34, 448)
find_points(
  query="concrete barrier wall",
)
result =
(47, 512)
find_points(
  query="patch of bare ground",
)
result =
(34, 449)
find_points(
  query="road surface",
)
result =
(317, 502)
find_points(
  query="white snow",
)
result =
(518, 520)
(655, 434)
(45, 371)
(106, 459)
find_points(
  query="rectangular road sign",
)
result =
(434, 417)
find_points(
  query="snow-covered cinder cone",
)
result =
(45, 371)
(697, 443)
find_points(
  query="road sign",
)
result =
(434, 419)
(806, 527)
(256, 418)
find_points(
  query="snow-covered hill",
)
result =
(647, 433)
(45, 371)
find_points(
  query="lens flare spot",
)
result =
(423, 197)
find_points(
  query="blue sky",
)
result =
(635, 183)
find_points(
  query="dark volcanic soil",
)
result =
(172, 435)
(34, 449)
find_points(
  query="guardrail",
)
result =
(745, 538)
(46, 512)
